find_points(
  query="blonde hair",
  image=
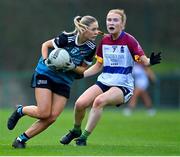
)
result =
(121, 13)
(82, 23)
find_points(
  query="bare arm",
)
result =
(81, 69)
(154, 59)
(96, 68)
(144, 60)
(44, 48)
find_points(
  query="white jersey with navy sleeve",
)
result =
(79, 54)
(117, 57)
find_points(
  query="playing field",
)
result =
(116, 135)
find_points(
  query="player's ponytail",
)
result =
(79, 26)
(82, 23)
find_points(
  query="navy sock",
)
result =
(23, 138)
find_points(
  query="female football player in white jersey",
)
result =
(115, 58)
(52, 88)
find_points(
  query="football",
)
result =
(59, 57)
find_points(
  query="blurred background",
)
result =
(25, 25)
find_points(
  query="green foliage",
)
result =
(167, 68)
(115, 135)
(27, 24)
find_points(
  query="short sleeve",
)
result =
(60, 41)
(135, 48)
(99, 54)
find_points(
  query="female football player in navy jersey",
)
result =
(115, 58)
(52, 88)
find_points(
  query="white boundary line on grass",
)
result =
(87, 156)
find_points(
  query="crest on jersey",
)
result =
(122, 49)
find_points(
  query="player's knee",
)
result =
(51, 120)
(99, 102)
(53, 117)
(80, 104)
(44, 115)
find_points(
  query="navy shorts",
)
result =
(43, 81)
(126, 92)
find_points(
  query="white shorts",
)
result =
(142, 83)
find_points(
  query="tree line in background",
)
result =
(25, 25)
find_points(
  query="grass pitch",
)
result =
(115, 135)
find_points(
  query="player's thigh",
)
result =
(43, 99)
(89, 95)
(58, 105)
(113, 96)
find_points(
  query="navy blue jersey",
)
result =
(79, 54)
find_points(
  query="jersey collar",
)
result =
(120, 36)
(76, 40)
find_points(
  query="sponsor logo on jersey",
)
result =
(41, 82)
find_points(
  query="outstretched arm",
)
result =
(96, 68)
(154, 59)
(81, 69)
